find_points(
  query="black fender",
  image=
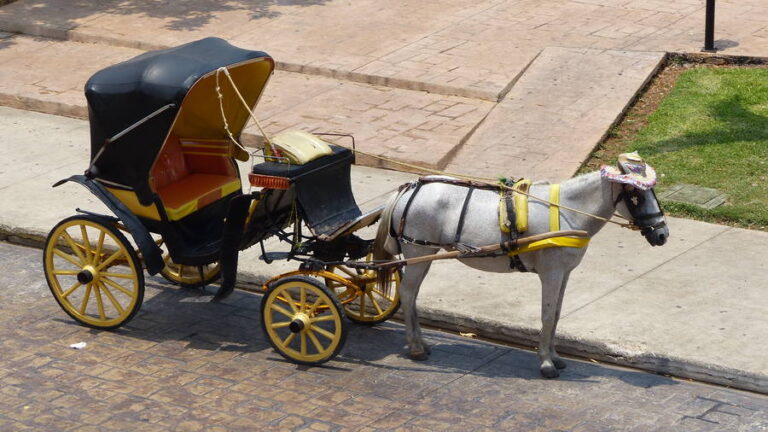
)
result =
(151, 253)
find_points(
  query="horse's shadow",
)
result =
(186, 320)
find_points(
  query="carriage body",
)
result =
(164, 149)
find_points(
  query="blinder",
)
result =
(637, 179)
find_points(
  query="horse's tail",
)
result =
(385, 246)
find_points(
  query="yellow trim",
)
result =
(230, 187)
(554, 209)
(175, 214)
(131, 201)
(521, 204)
(251, 209)
(551, 242)
(503, 216)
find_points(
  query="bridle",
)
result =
(633, 199)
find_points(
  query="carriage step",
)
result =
(272, 256)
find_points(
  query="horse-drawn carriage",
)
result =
(164, 148)
(164, 131)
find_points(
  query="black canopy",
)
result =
(121, 95)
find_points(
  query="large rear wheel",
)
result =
(93, 271)
(189, 276)
(303, 320)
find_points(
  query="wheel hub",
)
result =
(299, 323)
(87, 275)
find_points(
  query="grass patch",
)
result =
(712, 131)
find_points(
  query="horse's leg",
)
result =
(552, 284)
(413, 275)
(556, 359)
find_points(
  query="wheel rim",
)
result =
(188, 275)
(92, 273)
(302, 322)
(371, 303)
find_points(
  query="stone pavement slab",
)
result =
(458, 47)
(411, 126)
(693, 307)
(557, 112)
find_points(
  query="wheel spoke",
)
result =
(280, 324)
(302, 298)
(99, 302)
(303, 339)
(322, 331)
(322, 318)
(314, 305)
(86, 297)
(315, 342)
(118, 275)
(281, 310)
(381, 294)
(86, 243)
(65, 272)
(375, 304)
(67, 257)
(112, 299)
(75, 247)
(71, 289)
(117, 286)
(361, 312)
(99, 246)
(289, 339)
(289, 299)
(109, 260)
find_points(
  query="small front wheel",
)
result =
(303, 320)
(93, 271)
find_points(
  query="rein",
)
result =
(484, 180)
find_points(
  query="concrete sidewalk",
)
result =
(693, 308)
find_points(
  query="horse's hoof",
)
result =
(559, 363)
(549, 371)
(419, 356)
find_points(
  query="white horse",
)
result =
(433, 218)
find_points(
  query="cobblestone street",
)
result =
(185, 364)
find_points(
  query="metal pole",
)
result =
(709, 27)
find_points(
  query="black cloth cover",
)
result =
(123, 94)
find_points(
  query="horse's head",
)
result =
(636, 199)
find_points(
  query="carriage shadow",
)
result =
(186, 319)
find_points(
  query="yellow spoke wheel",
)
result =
(188, 275)
(303, 321)
(372, 303)
(93, 271)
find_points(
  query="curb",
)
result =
(528, 337)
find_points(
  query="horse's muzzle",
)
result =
(656, 235)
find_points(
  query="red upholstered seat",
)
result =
(189, 175)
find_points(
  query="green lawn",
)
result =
(712, 131)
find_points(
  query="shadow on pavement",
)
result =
(186, 316)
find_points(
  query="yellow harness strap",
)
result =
(521, 204)
(554, 210)
(554, 225)
(504, 223)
